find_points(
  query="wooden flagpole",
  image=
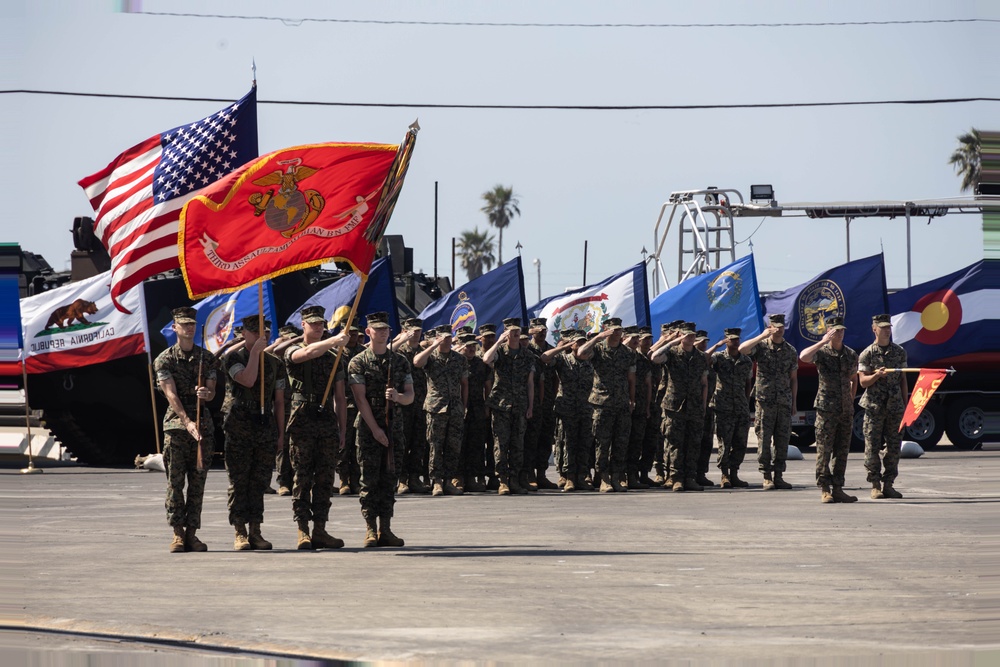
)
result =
(152, 397)
(149, 367)
(340, 351)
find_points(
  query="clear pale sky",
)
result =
(595, 175)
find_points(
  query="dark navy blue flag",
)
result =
(379, 295)
(714, 301)
(492, 297)
(854, 291)
(217, 315)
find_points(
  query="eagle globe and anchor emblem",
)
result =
(817, 303)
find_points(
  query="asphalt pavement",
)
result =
(723, 575)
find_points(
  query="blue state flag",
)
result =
(217, 315)
(952, 320)
(623, 295)
(854, 291)
(714, 301)
(379, 295)
(492, 297)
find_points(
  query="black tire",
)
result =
(858, 430)
(927, 430)
(966, 423)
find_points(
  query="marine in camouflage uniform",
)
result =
(652, 441)
(382, 382)
(708, 424)
(252, 435)
(283, 459)
(177, 370)
(686, 371)
(613, 398)
(347, 465)
(776, 388)
(884, 403)
(640, 415)
(416, 454)
(837, 368)
(487, 338)
(475, 431)
(315, 431)
(667, 332)
(510, 402)
(447, 374)
(539, 436)
(730, 400)
(574, 427)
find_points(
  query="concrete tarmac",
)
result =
(723, 575)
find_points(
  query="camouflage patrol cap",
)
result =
(734, 332)
(185, 315)
(688, 328)
(465, 338)
(700, 335)
(466, 330)
(632, 331)
(883, 320)
(538, 324)
(378, 320)
(567, 333)
(665, 327)
(512, 323)
(238, 331)
(251, 322)
(288, 331)
(645, 332)
(354, 328)
(313, 314)
(835, 324)
(524, 337)
(613, 323)
(443, 329)
(430, 334)
(776, 320)
(413, 323)
(487, 328)
(676, 324)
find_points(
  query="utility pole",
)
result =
(538, 265)
(584, 262)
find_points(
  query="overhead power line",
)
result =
(511, 24)
(522, 107)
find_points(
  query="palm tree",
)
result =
(966, 159)
(501, 206)
(476, 248)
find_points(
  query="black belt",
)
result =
(308, 398)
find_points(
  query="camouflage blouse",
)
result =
(182, 367)
(885, 393)
(836, 371)
(775, 363)
(732, 376)
(444, 381)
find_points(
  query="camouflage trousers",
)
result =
(574, 433)
(347, 463)
(652, 442)
(249, 461)
(313, 448)
(539, 437)
(636, 438)
(773, 426)
(611, 435)
(733, 428)
(378, 482)
(180, 458)
(833, 442)
(882, 438)
(707, 441)
(444, 436)
(415, 456)
(283, 464)
(508, 442)
(474, 436)
(683, 437)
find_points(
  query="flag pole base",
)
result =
(31, 470)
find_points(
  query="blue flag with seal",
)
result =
(492, 297)
(855, 291)
(954, 319)
(11, 335)
(379, 295)
(623, 295)
(217, 315)
(714, 301)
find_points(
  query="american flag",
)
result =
(139, 196)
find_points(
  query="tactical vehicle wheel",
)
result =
(966, 423)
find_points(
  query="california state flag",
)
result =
(928, 382)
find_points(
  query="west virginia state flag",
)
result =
(289, 210)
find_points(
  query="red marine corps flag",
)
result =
(291, 209)
(927, 383)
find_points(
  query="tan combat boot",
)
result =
(561, 482)
(417, 486)
(324, 540)
(889, 492)
(526, 483)
(583, 483)
(438, 488)
(305, 542)
(543, 482)
(736, 481)
(619, 483)
(284, 491)
(177, 544)
(371, 533)
(192, 543)
(780, 483)
(827, 497)
(257, 540)
(385, 536)
(240, 542)
(877, 491)
(402, 488)
(503, 489)
(606, 485)
(726, 483)
(658, 478)
(840, 497)
(568, 485)
(453, 487)
(345, 488)
(768, 482)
